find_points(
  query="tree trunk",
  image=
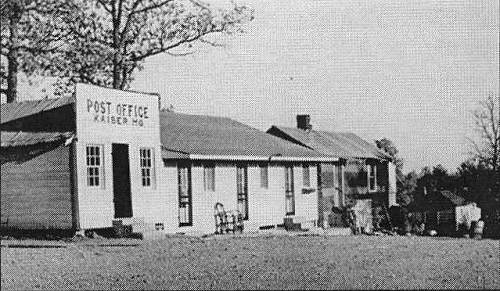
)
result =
(116, 71)
(116, 12)
(12, 58)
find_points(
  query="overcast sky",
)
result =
(411, 71)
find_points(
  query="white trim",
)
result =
(152, 168)
(305, 159)
(100, 167)
(261, 158)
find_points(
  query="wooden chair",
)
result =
(220, 218)
(226, 221)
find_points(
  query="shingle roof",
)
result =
(21, 138)
(173, 154)
(17, 110)
(198, 135)
(336, 144)
(453, 198)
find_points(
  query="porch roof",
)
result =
(22, 138)
(202, 137)
(336, 144)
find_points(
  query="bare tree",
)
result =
(110, 39)
(487, 121)
(29, 29)
(11, 14)
(103, 42)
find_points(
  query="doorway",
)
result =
(121, 181)
(242, 190)
(289, 191)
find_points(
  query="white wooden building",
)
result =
(363, 176)
(213, 159)
(116, 157)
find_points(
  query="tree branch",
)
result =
(200, 4)
(129, 19)
(179, 54)
(37, 50)
(491, 115)
(214, 44)
(177, 44)
(104, 5)
(75, 31)
(478, 151)
(151, 7)
(126, 74)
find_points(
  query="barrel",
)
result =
(478, 229)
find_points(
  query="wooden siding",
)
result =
(266, 206)
(36, 192)
(306, 202)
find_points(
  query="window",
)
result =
(242, 189)
(147, 162)
(289, 195)
(95, 173)
(264, 175)
(185, 199)
(372, 178)
(209, 178)
(305, 176)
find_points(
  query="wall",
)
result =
(35, 190)
(368, 205)
(356, 178)
(266, 206)
(465, 214)
(98, 125)
(169, 190)
(330, 195)
(306, 204)
(392, 184)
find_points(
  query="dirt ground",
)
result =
(252, 262)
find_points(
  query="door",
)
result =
(242, 190)
(185, 195)
(121, 181)
(289, 193)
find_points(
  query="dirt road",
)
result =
(272, 262)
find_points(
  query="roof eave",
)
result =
(261, 158)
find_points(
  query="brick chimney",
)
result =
(303, 122)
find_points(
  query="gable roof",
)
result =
(337, 144)
(209, 137)
(440, 200)
(21, 138)
(453, 198)
(18, 110)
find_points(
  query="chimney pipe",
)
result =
(304, 122)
